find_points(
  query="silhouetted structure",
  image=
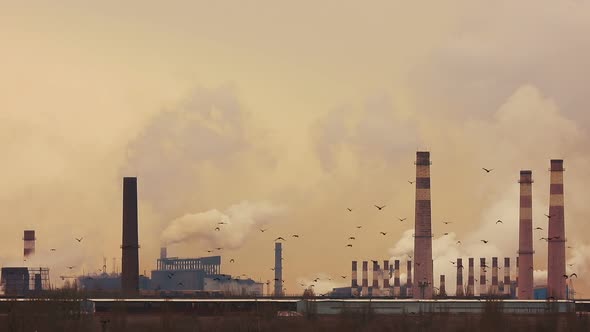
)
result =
(130, 247)
(278, 269)
(423, 274)
(29, 243)
(525, 235)
(556, 237)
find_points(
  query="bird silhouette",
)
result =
(181, 284)
(263, 230)
(539, 228)
(71, 267)
(272, 268)
(446, 234)
(217, 228)
(383, 233)
(352, 238)
(349, 209)
(359, 227)
(487, 170)
(79, 239)
(402, 219)
(343, 277)
(418, 263)
(219, 248)
(570, 265)
(499, 221)
(565, 276)
(484, 241)
(280, 238)
(548, 216)
(232, 260)
(411, 182)
(458, 242)
(544, 238)
(453, 262)
(222, 223)
(447, 222)
(209, 251)
(379, 207)
(375, 262)
(52, 249)
(573, 275)
(295, 235)
(349, 245)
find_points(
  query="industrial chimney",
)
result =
(494, 287)
(396, 281)
(507, 276)
(354, 286)
(423, 275)
(163, 253)
(409, 289)
(365, 288)
(525, 234)
(482, 277)
(278, 269)
(459, 292)
(556, 238)
(442, 287)
(471, 278)
(130, 247)
(29, 245)
(386, 277)
(375, 288)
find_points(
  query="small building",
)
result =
(22, 281)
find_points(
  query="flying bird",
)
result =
(280, 238)
(359, 226)
(272, 268)
(383, 233)
(219, 248)
(402, 219)
(71, 267)
(458, 242)
(453, 262)
(548, 216)
(352, 238)
(447, 222)
(499, 221)
(544, 238)
(263, 230)
(375, 262)
(349, 245)
(232, 260)
(343, 277)
(539, 228)
(570, 265)
(52, 249)
(180, 284)
(487, 170)
(446, 234)
(349, 209)
(380, 207)
(222, 223)
(217, 228)
(411, 182)
(573, 275)
(484, 241)
(295, 235)
(79, 239)
(209, 251)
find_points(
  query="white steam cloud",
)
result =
(235, 224)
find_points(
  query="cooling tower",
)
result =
(423, 275)
(525, 235)
(556, 237)
(130, 247)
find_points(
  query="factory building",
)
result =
(23, 281)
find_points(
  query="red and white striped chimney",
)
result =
(556, 286)
(482, 277)
(365, 289)
(409, 286)
(517, 290)
(459, 292)
(354, 286)
(375, 288)
(507, 276)
(471, 278)
(396, 281)
(423, 276)
(494, 287)
(525, 235)
(386, 276)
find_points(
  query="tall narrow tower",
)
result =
(460, 288)
(278, 269)
(29, 245)
(423, 276)
(130, 247)
(556, 242)
(354, 286)
(525, 234)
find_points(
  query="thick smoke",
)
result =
(235, 224)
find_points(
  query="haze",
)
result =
(291, 113)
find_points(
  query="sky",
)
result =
(276, 115)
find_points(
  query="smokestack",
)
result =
(365, 290)
(507, 276)
(409, 286)
(423, 277)
(494, 287)
(278, 269)
(130, 247)
(482, 277)
(163, 253)
(525, 234)
(442, 288)
(375, 288)
(386, 276)
(556, 237)
(471, 278)
(354, 280)
(29, 245)
(396, 281)
(517, 290)
(459, 292)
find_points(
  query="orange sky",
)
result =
(312, 107)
